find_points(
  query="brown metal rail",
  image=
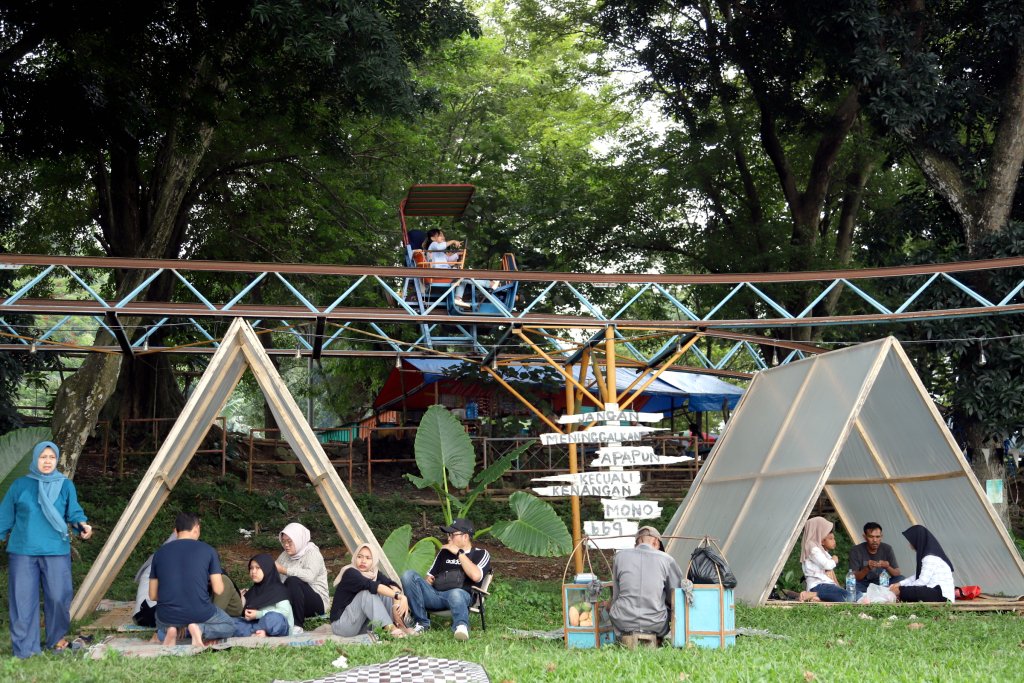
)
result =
(519, 275)
(396, 315)
(252, 440)
(223, 450)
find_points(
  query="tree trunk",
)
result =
(152, 218)
(987, 467)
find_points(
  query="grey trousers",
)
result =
(365, 609)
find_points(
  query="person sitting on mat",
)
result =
(818, 566)
(178, 580)
(869, 559)
(302, 570)
(268, 611)
(229, 600)
(643, 580)
(365, 597)
(933, 581)
(449, 583)
(145, 609)
(36, 511)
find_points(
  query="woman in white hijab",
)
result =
(303, 572)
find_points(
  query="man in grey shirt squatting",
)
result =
(642, 583)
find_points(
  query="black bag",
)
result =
(146, 616)
(708, 566)
(450, 579)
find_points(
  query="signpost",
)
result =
(598, 434)
(631, 457)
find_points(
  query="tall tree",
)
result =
(137, 91)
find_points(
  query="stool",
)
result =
(632, 640)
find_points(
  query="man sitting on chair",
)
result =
(449, 583)
(643, 580)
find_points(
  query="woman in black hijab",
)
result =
(267, 609)
(933, 581)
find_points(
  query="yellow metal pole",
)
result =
(521, 399)
(600, 379)
(609, 352)
(577, 525)
(662, 369)
(568, 377)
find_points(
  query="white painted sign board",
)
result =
(630, 509)
(618, 527)
(602, 490)
(634, 456)
(595, 478)
(601, 434)
(611, 415)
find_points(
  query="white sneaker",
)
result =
(462, 304)
(462, 632)
(296, 630)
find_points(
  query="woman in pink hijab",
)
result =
(303, 572)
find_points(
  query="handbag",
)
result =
(450, 579)
(967, 592)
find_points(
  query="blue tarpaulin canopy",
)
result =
(672, 389)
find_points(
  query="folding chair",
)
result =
(476, 606)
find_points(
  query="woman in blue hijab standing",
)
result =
(36, 512)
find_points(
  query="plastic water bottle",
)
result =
(472, 410)
(883, 579)
(851, 585)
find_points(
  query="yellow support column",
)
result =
(577, 525)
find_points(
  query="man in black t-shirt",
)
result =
(869, 559)
(456, 569)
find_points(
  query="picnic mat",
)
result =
(408, 669)
(107, 605)
(137, 647)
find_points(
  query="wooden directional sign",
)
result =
(630, 509)
(618, 527)
(602, 489)
(634, 456)
(594, 478)
(601, 434)
(611, 415)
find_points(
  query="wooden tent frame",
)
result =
(240, 349)
(852, 425)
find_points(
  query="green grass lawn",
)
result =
(832, 644)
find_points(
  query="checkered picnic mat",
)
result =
(409, 670)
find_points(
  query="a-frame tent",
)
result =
(859, 423)
(240, 349)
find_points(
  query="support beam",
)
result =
(567, 376)
(574, 501)
(318, 338)
(519, 397)
(609, 363)
(110, 317)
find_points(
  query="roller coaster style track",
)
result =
(332, 319)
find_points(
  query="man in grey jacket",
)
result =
(642, 583)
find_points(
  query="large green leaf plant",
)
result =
(446, 460)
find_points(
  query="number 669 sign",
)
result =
(620, 527)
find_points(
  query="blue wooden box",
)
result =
(601, 632)
(710, 622)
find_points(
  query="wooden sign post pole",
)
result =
(570, 409)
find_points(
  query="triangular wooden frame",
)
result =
(240, 349)
(759, 588)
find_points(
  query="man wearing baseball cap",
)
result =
(456, 569)
(642, 583)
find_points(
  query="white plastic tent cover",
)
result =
(859, 423)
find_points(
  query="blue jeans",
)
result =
(274, 623)
(862, 586)
(829, 592)
(220, 625)
(423, 597)
(26, 573)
